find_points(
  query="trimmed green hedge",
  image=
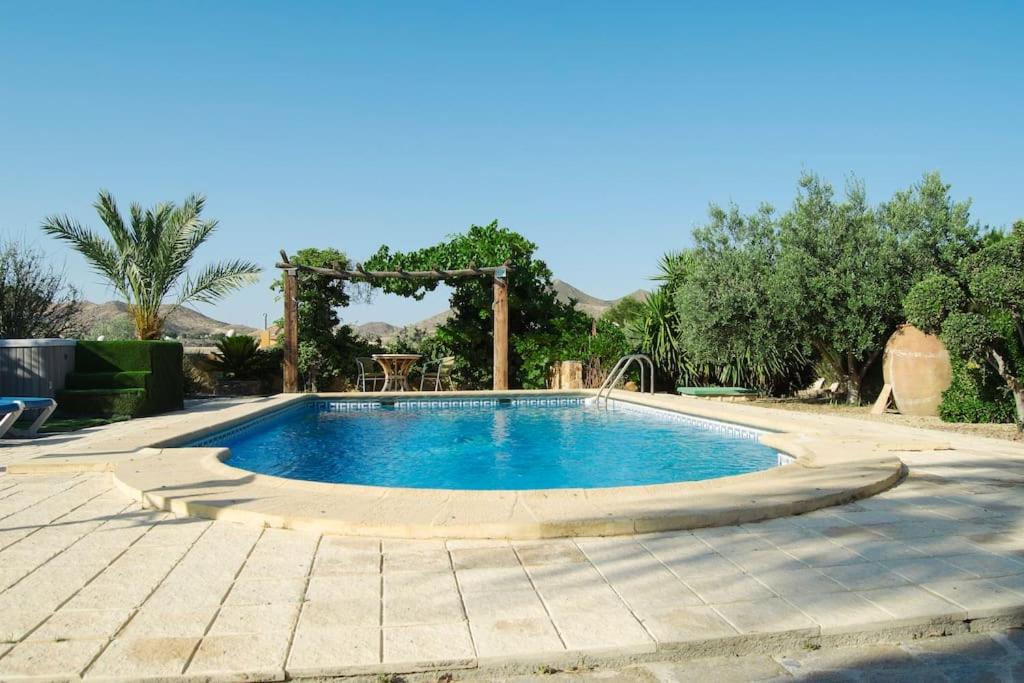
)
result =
(124, 378)
(975, 395)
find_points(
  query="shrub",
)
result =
(36, 300)
(975, 395)
(237, 357)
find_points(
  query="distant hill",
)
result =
(184, 322)
(590, 305)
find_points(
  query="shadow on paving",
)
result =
(954, 659)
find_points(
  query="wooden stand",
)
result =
(883, 401)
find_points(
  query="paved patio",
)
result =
(93, 586)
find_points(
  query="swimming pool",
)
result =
(491, 444)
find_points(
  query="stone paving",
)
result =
(92, 585)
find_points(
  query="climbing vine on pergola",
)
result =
(499, 275)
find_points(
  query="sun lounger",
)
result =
(23, 404)
(9, 414)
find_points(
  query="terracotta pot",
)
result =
(917, 366)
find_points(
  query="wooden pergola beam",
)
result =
(360, 274)
(291, 318)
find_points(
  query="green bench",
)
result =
(716, 391)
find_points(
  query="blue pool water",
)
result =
(490, 447)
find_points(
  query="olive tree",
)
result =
(847, 267)
(732, 328)
(979, 311)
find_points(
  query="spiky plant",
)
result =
(146, 260)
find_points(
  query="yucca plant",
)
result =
(655, 332)
(147, 259)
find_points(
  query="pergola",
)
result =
(499, 275)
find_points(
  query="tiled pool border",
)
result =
(354, 405)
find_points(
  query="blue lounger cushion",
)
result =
(30, 402)
(8, 407)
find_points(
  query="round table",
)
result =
(396, 368)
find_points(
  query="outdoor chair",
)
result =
(369, 373)
(13, 407)
(442, 374)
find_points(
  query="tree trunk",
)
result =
(856, 375)
(854, 379)
(1018, 399)
(1014, 384)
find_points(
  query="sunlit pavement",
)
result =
(92, 585)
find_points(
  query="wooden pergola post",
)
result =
(500, 331)
(291, 331)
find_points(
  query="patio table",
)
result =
(396, 368)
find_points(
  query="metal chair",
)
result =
(441, 375)
(369, 372)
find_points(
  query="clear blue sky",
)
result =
(601, 131)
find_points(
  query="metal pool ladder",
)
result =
(618, 371)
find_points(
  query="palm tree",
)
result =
(148, 261)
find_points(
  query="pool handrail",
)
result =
(618, 371)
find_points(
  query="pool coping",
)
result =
(830, 469)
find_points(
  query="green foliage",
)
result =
(624, 312)
(655, 332)
(976, 395)
(327, 349)
(732, 330)
(36, 301)
(843, 290)
(985, 324)
(119, 328)
(241, 358)
(762, 299)
(147, 259)
(565, 337)
(932, 300)
(934, 232)
(540, 327)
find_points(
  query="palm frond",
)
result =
(107, 209)
(217, 280)
(101, 254)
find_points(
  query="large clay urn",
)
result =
(917, 366)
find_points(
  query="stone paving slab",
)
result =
(94, 586)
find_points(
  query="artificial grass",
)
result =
(124, 379)
(131, 379)
(64, 424)
(103, 403)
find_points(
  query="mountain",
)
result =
(112, 317)
(590, 305)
